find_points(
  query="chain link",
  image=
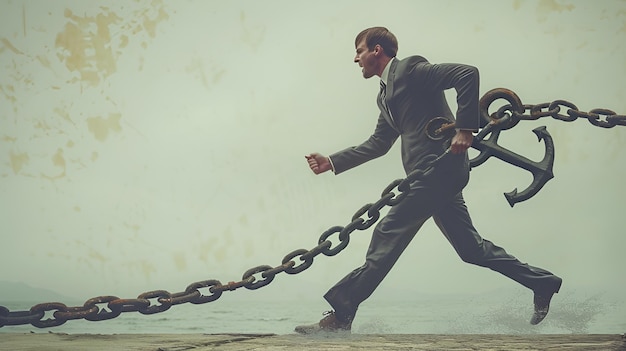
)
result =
(94, 309)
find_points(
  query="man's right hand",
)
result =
(318, 163)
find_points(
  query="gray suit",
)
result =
(414, 96)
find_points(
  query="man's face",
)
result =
(366, 59)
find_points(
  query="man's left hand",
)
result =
(461, 141)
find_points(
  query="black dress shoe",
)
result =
(542, 303)
(329, 324)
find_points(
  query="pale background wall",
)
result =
(150, 144)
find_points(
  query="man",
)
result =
(412, 94)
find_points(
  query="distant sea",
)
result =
(502, 312)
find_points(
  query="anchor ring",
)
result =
(439, 128)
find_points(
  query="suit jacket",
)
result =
(415, 95)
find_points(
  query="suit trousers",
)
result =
(437, 195)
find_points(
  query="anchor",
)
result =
(440, 128)
(541, 171)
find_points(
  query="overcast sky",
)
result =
(153, 144)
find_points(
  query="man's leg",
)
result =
(389, 239)
(456, 224)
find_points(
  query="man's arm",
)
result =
(463, 78)
(466, 81)
(375, 146)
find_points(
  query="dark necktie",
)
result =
(383, 91)
(383, 95)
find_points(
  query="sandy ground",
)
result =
(229, 342)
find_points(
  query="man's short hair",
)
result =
(381, 36)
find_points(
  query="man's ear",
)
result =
(378, 49)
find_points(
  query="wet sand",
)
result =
(236, 342)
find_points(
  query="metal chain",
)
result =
(599, 117)
(94, 309)
(260, 276)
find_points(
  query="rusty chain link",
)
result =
(108, 307)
